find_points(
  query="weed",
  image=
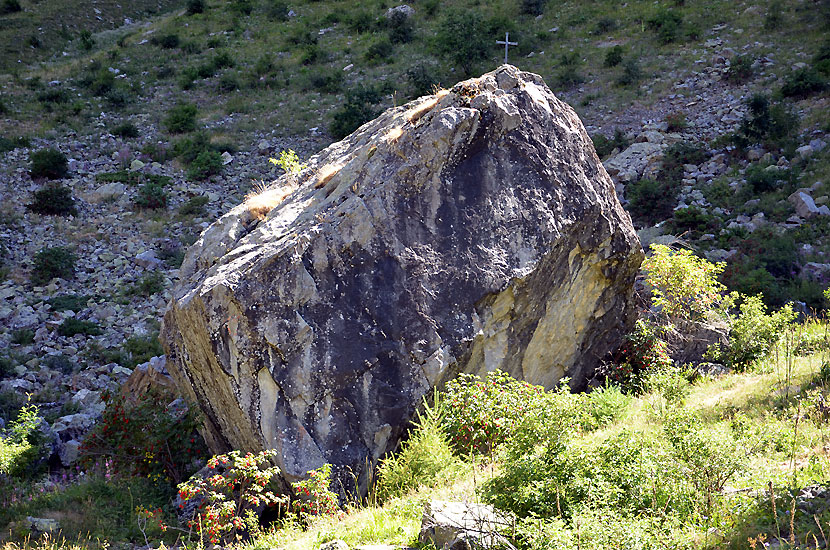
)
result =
(151, 195)
(667, 25)
(71, 302)
(740, 69)
(125, 130)
(53, 262)
(802, 83)
(23, 337)
(48, 163)
(195, 206)
(53, 199)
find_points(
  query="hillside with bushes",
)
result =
(127, 129)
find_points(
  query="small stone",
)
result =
(43, 525)
(227, 158)
(136, 165)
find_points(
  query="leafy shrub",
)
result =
(760, 179)
(48, 163)
(188, 148)
(195, 6)
(667, 24)
(100, 83)
(534, 7)
(631, 74)
(241, 7)
(740, 69)
(195, 206)
(480, 414)
(148, 285)
(228, 83)
(821, 60)
(68, 302)
(651, 200)
(53, 96)
(314, 496)
(140, 349)
(166, 41)
(802, 83)
(206, 164)
(605, 146)
(400, 28)
(604, 25)
(380, 50)
(53, 200)
(357, 110)
(20, 445)
(227, 499)
(276, 10)
(181, 118)
(774, 17)
(53, 262)
(683, 285)
(125, 130)
(72, 326)
(23, 337)
(10, 144)
(360, 21)
(151, 196)
(158, 152)
(463, 38)
(153, 435)
(676, 122)
(289, 162)
(87, 42)
(643, 351)
(772, 125)
(422, 79)
(327, 81)
(753, 334)
(613, 56)
(10, 6)
(693, 220)
(425, 458)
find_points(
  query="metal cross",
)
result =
(507, 43)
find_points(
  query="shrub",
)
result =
(152, 435)
(195, 6)
(480, 414)
(676, 122)
(10, 144)
(277, 10)
(242, 7)
(188, 148)
(802, 83)
(760, 179)
(357, 110)
(48, 163)
(692, 219)
(167, 41)
(683, 285)
(125, 130)
(206, 164)
(100, 83)
(72, 326)
(181, 118)
(314, 496)
(821, 60)
(87, 42)
(651, 200)
(632, 74)
(10, 6)
(151, 196)
(53, 200)
(380, 50)
(289, 162)
(228, 83)
(605, 146)
(424, 459)
(195, 206)
(53, 95)
(534, 7)
(422, 79)
(23, 337)
(148, 285)
(400, 28)
(753, 334)
(463, 37)
(53, 262)
(643, 351)
(237, 486)
(667, 24)
(20, 446)
(140, 349)
(772, 125)
(774, 16)
(740, 69)
(68, 302)
(613, 56)
(327, 81)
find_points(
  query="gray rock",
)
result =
(406, 11)
(815, 272)
(805, 207)
(804, 151)
(459, 525)
(148, 259)
(631, 164)
(468, 231)
(107, 192)
(227, 158)
(69, 452)
(43, 525)
(335, 544)
(136, 165)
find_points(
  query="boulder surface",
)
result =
(467, 231)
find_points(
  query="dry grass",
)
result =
(325, 174)
(262, 200)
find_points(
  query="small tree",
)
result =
(462, 37)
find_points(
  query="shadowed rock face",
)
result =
(468, 231)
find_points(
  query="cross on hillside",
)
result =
(507, 43)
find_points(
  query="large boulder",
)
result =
(471, 230)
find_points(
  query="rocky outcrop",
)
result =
(469, 231)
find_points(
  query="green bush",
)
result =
(379, 51)
(53, 200)
(667, 24)
(533, 7)
(87, 42)
(10, 144)
(357, 110)
(167, 41)
(228, 83)
(20, 447)
(400, 28)
(140, 349)
(631, 73)
(206, 164)
(803, 83)
(67, 302)
(651, 200)
(326, 80)
(10, 6)
(821, 60)
(23, 337)
(148, 435)
(48, 163)
(53, 262)
(424, 459)
(605, 146)
(276, 10)
(463, 38)
(195, 206)
(195, 6)
(613, 56)
(422, 79)
(773, 125)
(148, 285)
(693, 220)
(642, 352)
(753, 334)
(774, 17)
(188, 148)
(100, 83)
(740, 69)
(151, 196)
(241, 7)
(760, 179)
(181, 118)
(72, 326)
(125, 130)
